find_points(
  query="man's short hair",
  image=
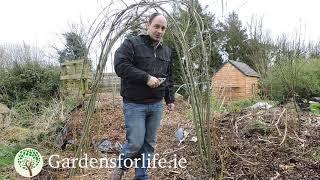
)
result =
(152, 16)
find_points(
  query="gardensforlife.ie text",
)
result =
(55, 161)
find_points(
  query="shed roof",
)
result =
(242, 67)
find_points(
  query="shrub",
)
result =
(239, 105)
(298, 76)
(315, 108)
(29, 83)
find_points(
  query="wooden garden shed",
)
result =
(235, 81)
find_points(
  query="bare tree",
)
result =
(20, 53)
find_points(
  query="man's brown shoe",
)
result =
(116, 174)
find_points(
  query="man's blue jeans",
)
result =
(142, 122)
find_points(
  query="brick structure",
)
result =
(235, 81)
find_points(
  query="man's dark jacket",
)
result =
(135, 60)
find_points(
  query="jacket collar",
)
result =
(150, 42)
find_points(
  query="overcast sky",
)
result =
(279, 16)
(39, 22)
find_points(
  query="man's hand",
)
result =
(153, 82)
(170, 106)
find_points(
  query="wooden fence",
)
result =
(75, 77)
(110, 82)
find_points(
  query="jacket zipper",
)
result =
(154, 50)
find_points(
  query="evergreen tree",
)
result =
(234, 40)
(75, 48)
(188, 25)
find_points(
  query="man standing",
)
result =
(144, 64)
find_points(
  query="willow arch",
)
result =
(120, 22)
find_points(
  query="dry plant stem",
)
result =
(296, 109)
(216, 143)
(236, 123)
(265, 140)
(297, 137)
(279, 121)
(172, 151)
(242, 158)
(286, 129)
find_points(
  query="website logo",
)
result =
(28, 162)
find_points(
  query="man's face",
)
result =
(157, 28)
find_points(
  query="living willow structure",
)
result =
(115, 20)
